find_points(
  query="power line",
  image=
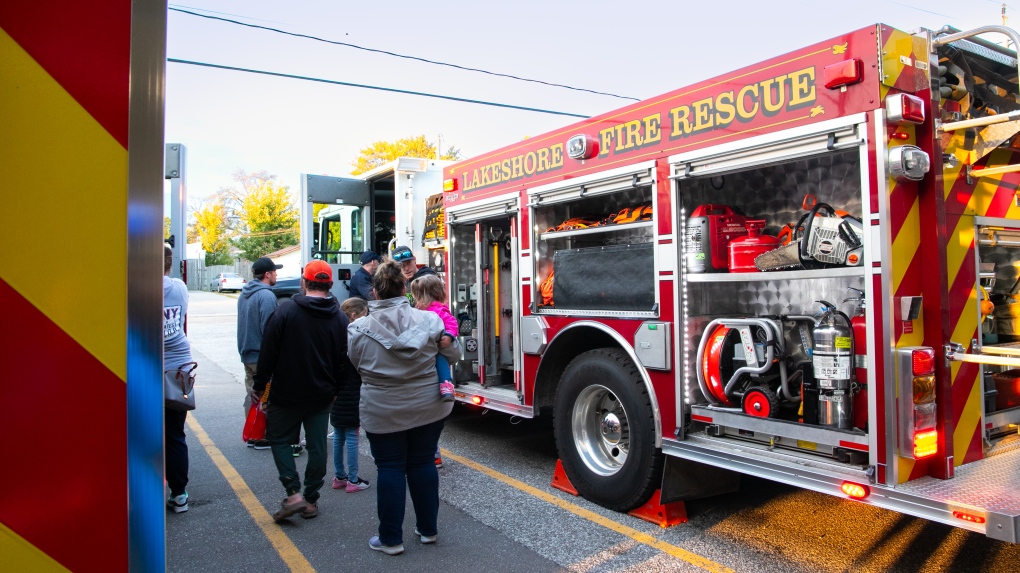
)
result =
(349, 45)
(339, 83)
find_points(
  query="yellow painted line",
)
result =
(289, 552)
(640, 537)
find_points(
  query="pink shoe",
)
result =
(353, 486)
(339, 483)
(446, 391)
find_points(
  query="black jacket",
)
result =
(304, 353)
(345, 413)
(361, 285)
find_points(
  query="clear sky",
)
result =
(638, 48)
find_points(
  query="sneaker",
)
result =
(446, 391)
(426, 539)
(339, 483)
(439, 462)
(311, 511)
(356, 485)
(298, 448)
(377, 545)
(251, 443)
(179, 503)
(259, 444)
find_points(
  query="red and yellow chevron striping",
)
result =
(64, 91)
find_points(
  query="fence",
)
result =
(199, 275)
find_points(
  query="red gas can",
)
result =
(709, 232)
(744, 250)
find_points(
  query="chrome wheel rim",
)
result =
(600, 429)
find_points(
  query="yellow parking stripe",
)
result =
(289, 552)
(630, 532)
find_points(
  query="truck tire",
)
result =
(605, 430)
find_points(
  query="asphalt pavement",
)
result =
(499, 513)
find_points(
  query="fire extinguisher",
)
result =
(831, 358)
(860, 329)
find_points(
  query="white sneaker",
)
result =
(426, 539)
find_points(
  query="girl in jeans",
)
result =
(344, 417)
(394, 349)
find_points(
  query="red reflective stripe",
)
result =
(69, 503)
(85, 47)
(698, 418)
(853, 446)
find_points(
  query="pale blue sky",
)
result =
(640, 48)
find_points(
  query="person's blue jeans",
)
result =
(405, 462)
(345, 435)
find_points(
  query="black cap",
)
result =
(401, 254)
(369, 256)
(264, 265)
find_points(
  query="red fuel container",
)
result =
(744, 250)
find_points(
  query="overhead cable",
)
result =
(380, 88)
(355, 46)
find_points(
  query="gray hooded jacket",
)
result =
(394, 349)
(254, 306)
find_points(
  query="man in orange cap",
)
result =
(304, 353)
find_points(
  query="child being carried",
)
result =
(430, 294)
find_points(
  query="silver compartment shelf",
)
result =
(594, 230)
(836, 272)
(791, 430)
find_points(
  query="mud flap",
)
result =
(685, 479)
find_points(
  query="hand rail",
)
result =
(954, 352)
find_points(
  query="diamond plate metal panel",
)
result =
(989, 484)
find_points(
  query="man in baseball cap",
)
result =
(254, 306)
(263, 265)
(304, 354)
(404, 256)
(361, 282)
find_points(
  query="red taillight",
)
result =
(968, 517)
(843, 74)
(922, 361)
(477, 400)
(854, 490)
(904, 107)
(925, 444)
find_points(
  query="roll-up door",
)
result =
(839, 134)
(640, 175)
(487, 209)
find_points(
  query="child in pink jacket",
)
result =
(430, 294)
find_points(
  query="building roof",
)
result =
(284, 251)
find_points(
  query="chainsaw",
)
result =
(826, 239)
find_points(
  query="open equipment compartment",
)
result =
(589, 230)
(754, 348)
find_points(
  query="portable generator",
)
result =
(709, 232)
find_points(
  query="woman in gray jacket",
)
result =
(394, 349)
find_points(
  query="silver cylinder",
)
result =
(835, 409)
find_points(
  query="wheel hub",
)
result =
(600, 430)
(611, 429)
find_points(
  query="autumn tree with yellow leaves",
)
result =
(214, 232)
(265, 216)
(382, 152)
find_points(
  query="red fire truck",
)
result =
(805, 270)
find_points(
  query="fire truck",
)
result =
(806, 270)
(398, 203)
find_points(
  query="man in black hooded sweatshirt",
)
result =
(304, 354)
